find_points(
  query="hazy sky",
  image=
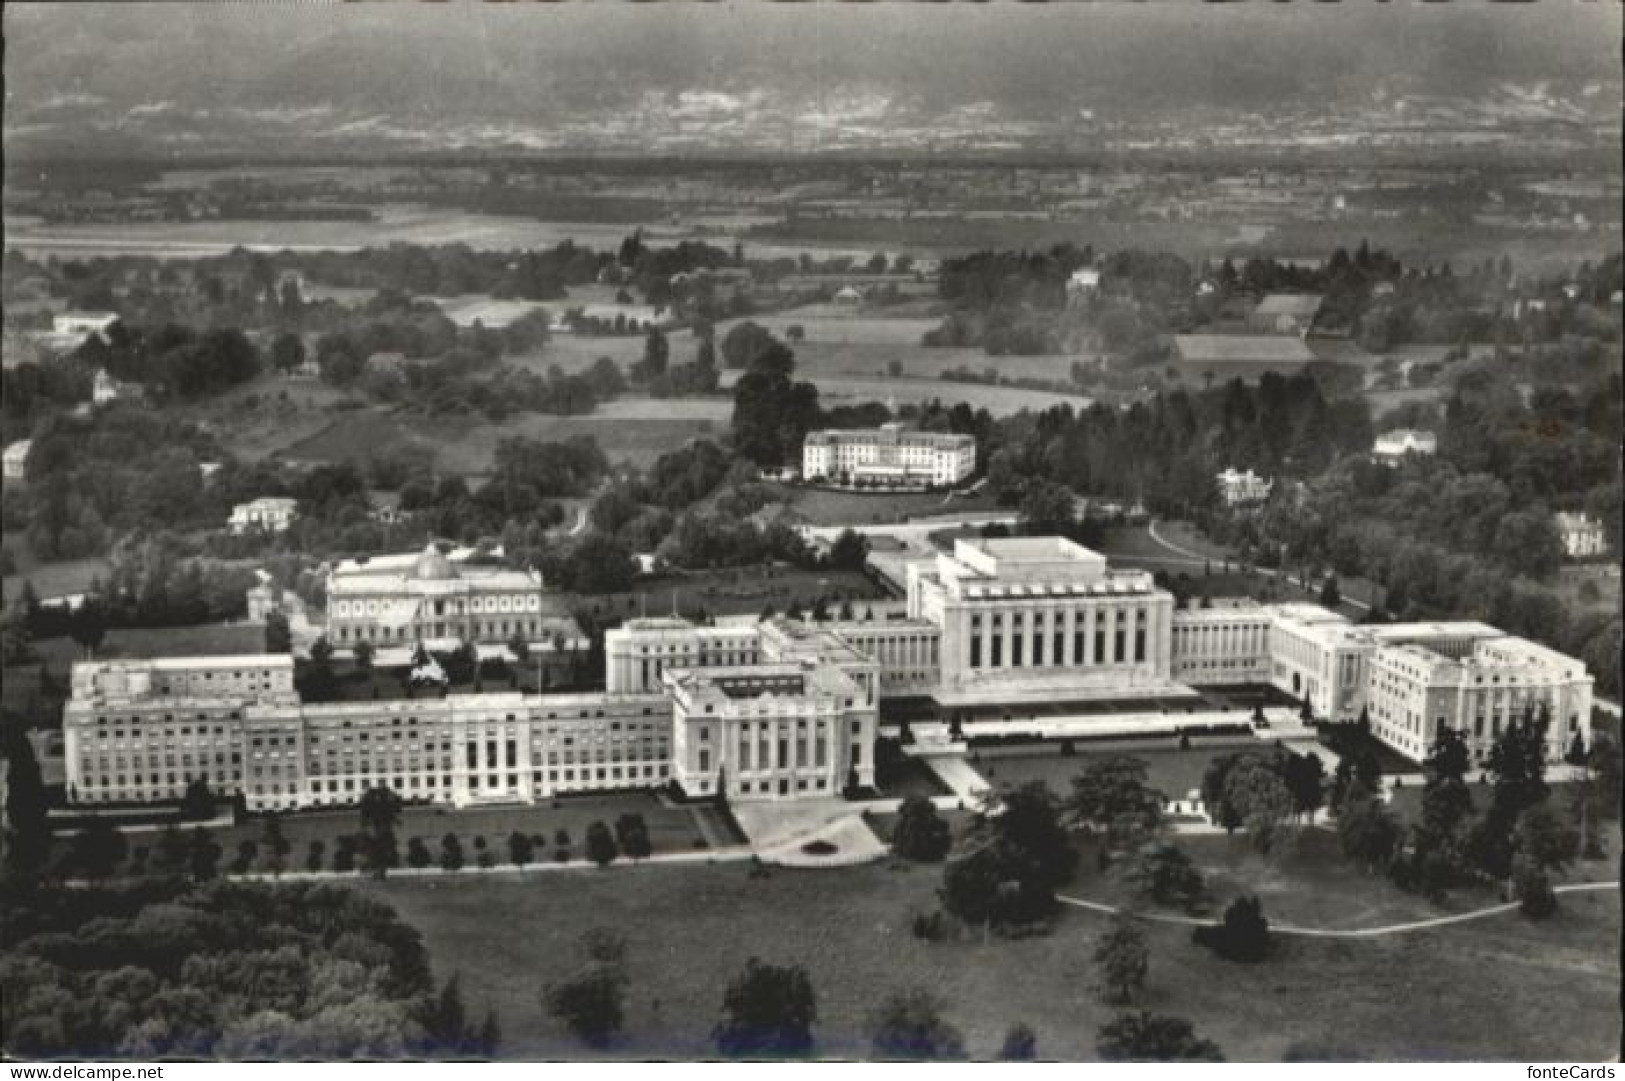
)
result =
(407, 62)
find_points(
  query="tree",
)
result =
(380, 810)
(520, 849)
(909, 1026)
(87, 624)
(278, 635)
(1242, 936)
(1305, 778)
(767, 1012)
(1330, 595)
(1261, 800)
(1020, 1044)
(1122, 960)
(1368, 833)
(1533, 889)
(417, 853)
(1111, 794)
(632, 835)
(1047, 506)
(1164, 874)
(362, 653)
(1543, 840)
(27, 807)
(920, 834)
(601, 846)
(451, 853)
(287, 352)
(591, 1002)
(849, 551)
(1019, 856)
(275, 842)
(203, 855)
(98, 849)
(169, 855)
(1149, 1037)
(1516, 767)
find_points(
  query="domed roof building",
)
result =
(438, 599)
(432, 565)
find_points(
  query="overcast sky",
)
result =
(411, 61)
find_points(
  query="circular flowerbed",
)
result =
(819, 848)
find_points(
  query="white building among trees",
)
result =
(890, 456)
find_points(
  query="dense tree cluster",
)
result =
(222, 971)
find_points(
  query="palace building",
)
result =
(433, 599)
(779, 709)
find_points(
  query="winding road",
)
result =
(1359, 932)
(1198, 557)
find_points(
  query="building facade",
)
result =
(440, 602)
(1023, 614)
(889, 455)
(269, 514)
(1243, 489)
(15, 460)
(1392, 447)
(794, 730)
(1421, 684)
(1583, 536)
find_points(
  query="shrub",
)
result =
(1244, 934)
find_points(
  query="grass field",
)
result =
(638, 430)
(1172, 772)
(204, 640)
(690, 929)
(817, 506)
(736, 591)
(51, 579)
(671, 828)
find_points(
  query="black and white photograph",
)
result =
(900, 532)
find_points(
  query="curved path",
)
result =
(1198, 557)
(1362, 932)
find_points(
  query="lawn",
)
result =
(203, 640)
(52, 579)
(690, 929)
(1172, 772)
(817, 506)
(737, 591)
(628, 429)
(837, 389)
(671, 828)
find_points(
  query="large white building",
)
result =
(440, 602)
(890, 455)
(1240, 489)
(1583, 536)
(1475, 680)
(1391, 447)
(268, 514)
(1033, 615)
(784, 709)
(141, 731)
(1410, 679)
(16, 459)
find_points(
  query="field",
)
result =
(206, 640)
(638, 430)
(738, 591)
(690, 929)
(820, 507)
(51, 579)
(671, 828)
(1172, 772)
